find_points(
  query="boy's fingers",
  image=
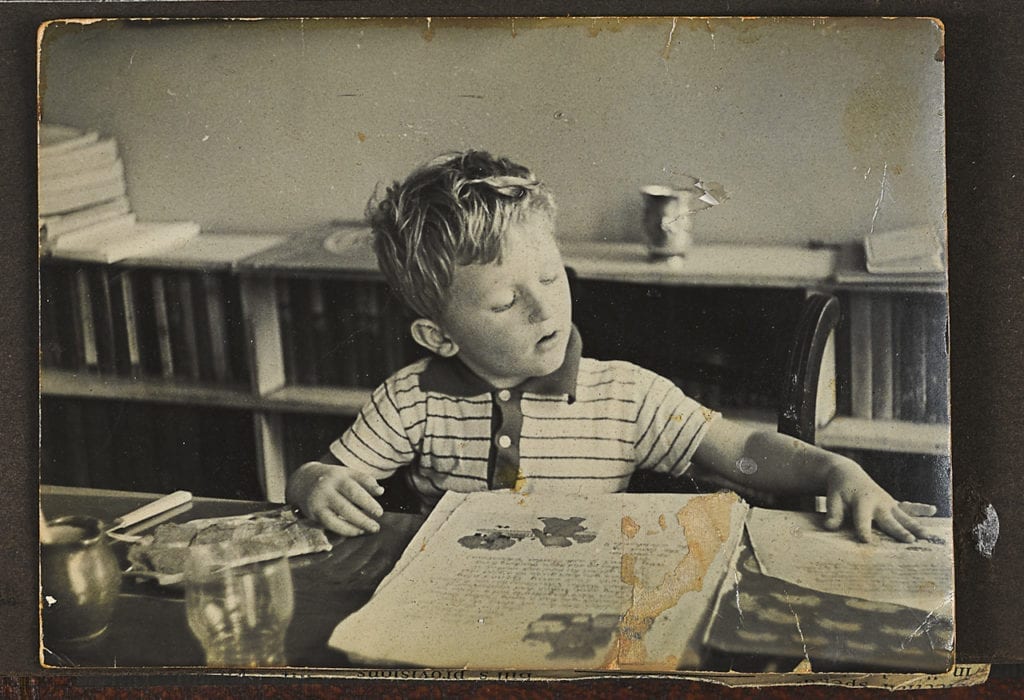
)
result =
(863, 514)
(367, 482)
(335, 524)
(919, 510)
(890, 525)
(346, 510)
(835, 511)
(355, 493)
(909, 523)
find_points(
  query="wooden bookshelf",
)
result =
(274, 278)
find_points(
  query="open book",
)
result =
(624, 582)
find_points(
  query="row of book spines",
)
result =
(898, 357)
(144, 446)
(142, 323)
(341, 332)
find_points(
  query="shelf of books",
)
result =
(295, 331)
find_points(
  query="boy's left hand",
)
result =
(854, 495)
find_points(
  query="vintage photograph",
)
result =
(495, 348)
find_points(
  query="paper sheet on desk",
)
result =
(508, 581)
(794, 547)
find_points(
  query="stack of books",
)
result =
(84, 211)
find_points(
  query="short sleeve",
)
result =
(378, 442)
(669, 425)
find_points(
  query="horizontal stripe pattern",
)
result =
(622, 418)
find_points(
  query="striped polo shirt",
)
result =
(583, 429)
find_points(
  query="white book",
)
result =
(145, 238)
(909, 250)
(75, 181)
(53, 227)
(100, 154)
(55, 139)
(69, 200)
(113, 228)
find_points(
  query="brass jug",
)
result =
(80, 580)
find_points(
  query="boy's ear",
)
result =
(432, 337)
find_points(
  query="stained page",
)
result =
(618, 581)
(794, 547)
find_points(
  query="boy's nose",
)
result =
(540, 308)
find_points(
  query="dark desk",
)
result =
(149, 626)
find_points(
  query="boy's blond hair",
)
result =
(455, 210)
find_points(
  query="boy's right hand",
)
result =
(341, 499)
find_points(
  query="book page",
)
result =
(617, 581)
(794, 547)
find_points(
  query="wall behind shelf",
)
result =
(278, 125)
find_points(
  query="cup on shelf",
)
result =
(668, 223)
(668, 214)
(238, 612)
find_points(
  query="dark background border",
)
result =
(984, 49)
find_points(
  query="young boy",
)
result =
(507, 401)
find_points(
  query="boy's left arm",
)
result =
(779, 464)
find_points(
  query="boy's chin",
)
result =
(553, 359)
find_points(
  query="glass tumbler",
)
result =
(239, 612)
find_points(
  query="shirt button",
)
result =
(504, 441)
(504, 395)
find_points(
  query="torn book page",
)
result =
(511, 581)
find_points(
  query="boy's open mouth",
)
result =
(548, 338)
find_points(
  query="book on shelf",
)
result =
(861, 356)
(303, 333)
(53, 227)
(882, 360)
(215, 344)
(898, 362)
(904, 251)
(639, 582)
(323, 326)
(82, 189)
(140, 239)
(106, 325)
(85, 237)
(88, 157)
(286, 328)
(162, 325)
(367, 331)
(911, 377)
(343, 301)
(85, 336)
(125, 312)
(182, 325)
(57, 139)
(57, 326)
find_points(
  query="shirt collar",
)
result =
(450, 375)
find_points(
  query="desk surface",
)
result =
(149, 626)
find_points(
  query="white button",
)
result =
(504, 441)
(504, 395)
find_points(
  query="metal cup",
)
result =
(80, 580)
(668, 220)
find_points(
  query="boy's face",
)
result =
(511, 321)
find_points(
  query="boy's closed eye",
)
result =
(498, 308)
(546, 280)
